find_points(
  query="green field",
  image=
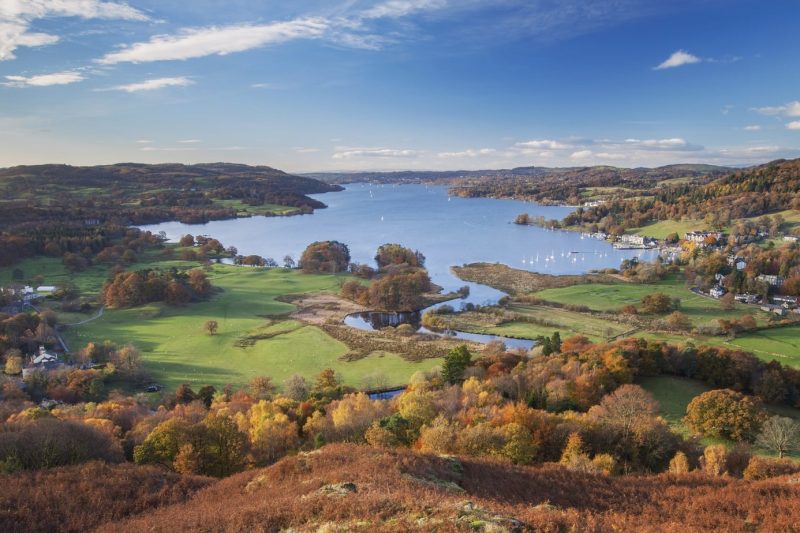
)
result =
(660, 230)
(612, 296)
(782, 344)
(176, 349)
(243, 209)
(675, 393)
(566, 322)
(89, 281)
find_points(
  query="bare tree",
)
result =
(779, 434)
(211, 326)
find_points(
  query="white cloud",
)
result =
(216, 40)
(544, 144)
(44, 80)
(151, 85)
(401, 8)
(675, 143)
(16, 17)
(792, 109)
(581, 154)
(304, 150)
(468, 153)
(752, 127)
(190, 141)
(794, 125)
(353, 153)
(168, 149)
(677, 59)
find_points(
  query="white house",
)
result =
(717, 292)
(771, 280)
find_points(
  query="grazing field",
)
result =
(545, 320)
(176, 350)
(52, 271)
(782, 344)
(660, 230)
(243, 209)
(674, 394)
(612, 296)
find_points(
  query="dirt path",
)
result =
(321, 309)
(95, 317)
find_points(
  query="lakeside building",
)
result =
(700, 237)
(771, 280)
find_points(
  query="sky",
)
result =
(348, 85)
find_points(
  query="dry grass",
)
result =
(400, 490)
(517, 282)
(79, 498)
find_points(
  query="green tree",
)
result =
(455, 363)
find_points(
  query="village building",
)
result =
(717, 292)
(700, 237)
(771, 280)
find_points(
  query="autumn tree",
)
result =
(325, 257)
(262, 388)
(728, 301)
(296, 387)
(658, 303)
(211, 327)
(678, 321)
(625, 407)
(725, 413)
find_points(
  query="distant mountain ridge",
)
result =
(416, 176)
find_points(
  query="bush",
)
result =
(47, 442)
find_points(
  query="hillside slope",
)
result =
(359, 488)
(63, 196)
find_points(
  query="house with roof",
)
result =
(771, 280)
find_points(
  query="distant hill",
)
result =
(597, 172)
(345, 487)
(751, 192)
(132, 193)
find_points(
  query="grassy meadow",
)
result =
(674, 394)
(177, 350)
(612, 296)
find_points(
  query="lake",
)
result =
(447, 230)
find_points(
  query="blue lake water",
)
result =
(447, 230)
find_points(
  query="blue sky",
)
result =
(399, 84)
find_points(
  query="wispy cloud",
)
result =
(791, 109)
(543, 144)
(793, 125)
(678, 59)
(152, 85)
(581, 154)
(44, 80)
(468, 153)
(190, 141)
(216, 40)
(354, 153)
(305, 150)
(752, 127)
(401, 8)
(16, 17)
(144, 141)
